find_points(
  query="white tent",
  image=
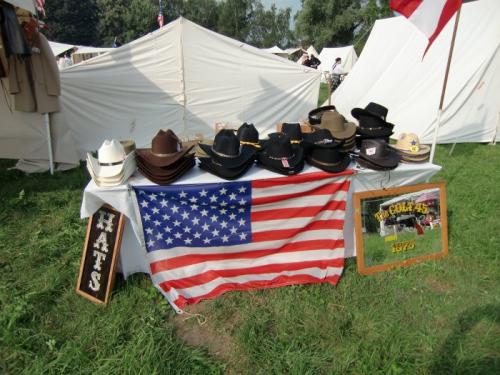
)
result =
(391, 71)
(58, 48)
(182, 77)
(25, 4)
(276, 51)
(328, 56)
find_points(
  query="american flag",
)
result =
(204, 240)
(40, 6)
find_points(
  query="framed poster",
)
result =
(100, 253)
(400, 226)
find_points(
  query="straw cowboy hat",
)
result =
(408, 144)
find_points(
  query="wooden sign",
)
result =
(400, 226)
(100, 253)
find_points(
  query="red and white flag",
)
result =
(429, 16)
(40, 6)
(204, 240)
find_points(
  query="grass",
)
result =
(439, 317)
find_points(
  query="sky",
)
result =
(294, 4)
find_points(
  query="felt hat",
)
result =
(372, 109)
(248, 136)
(409, 144)
(337, 125)
(164, 172)
(372, 127)
(294, 131)
(182, 167)
(166, 149)
(280, 156)
(213, 166)
(320, 138)
(227, 151)
(316, 114)
(379, 153)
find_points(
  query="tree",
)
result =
(73, 22)
(269, 27)
(202, 12)
(234, 18)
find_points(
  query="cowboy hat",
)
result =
(280, 156)
(248, 136)
(227, 151)
(337, 125)
(372, 109)
(409, 144)
(111, 160)
(377, 152)
(212, 166)
(166, 149)
(316, 114)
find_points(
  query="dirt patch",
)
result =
(439, 286)
(217, 340)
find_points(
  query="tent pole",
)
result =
(452, 149)
(440, 112)
(49, 142)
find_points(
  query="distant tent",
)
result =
(186, 78)
(59, 48)
(328, 56)
(311, 51)
(84, 53)
(391, 71)
(276, 51)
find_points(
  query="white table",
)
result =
(133, 253)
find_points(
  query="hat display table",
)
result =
(133, 253)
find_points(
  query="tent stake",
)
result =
(440, 112)
(49, 142)
(452, 149)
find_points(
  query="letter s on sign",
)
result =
(94, 283)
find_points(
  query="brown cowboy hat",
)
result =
(166, 149)
(337, 124)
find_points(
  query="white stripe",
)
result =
(426, 16)
(298, 222)
(293, 189)
(175, 252)
(280, 258)
(203, 289)
(311, 200)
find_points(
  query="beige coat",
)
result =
(34, 81)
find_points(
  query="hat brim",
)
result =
(159, 160)
(161, 180)
(110, 171)
(222, 171)
(284, 171)
(165, 171)
(424, 150)
(367, 164)
(356, 112)
(330, 167)
(246, 154)
(384, 132)
(297, 158)
(315, 115)
(390, 160)
(349, 132)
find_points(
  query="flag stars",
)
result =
(149, 231)
(197, 235)
(162, 194)
(241, 210)
(169, 241)
(183, 194)
(206, 240)
(214, 218)
(185, 215)
(178, 235)
(147, 217)
(163, 203)
(194, 207)
(159, 236)
(215, 233)
(223, 224)
(232, 196)
(243, 236)
(144, 204)
(151, 243)
(187, 229)
(233, 230)
(213, 199)
(242, 202)
(168, 229)
(193, 199)
(204, 212)
(223, 211)
(223, 204)
(223, 191)
(155, 210)
(195, 221)
(152, 196)
(203, 193)
(205, 227)
(232, 216)
(166, 217)
(225, 238)
(157, 223)
(188, 241)
(175, 209)
(177, 223)
(241, 222)
(242, 189)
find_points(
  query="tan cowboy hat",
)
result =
(409, 144)
(337, 124)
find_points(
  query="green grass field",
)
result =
(437, 317)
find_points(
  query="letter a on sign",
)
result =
(100, 253)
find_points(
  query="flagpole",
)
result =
(440, 111)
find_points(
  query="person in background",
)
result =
(305, 59)
(67, 61)
(338, 73)
(314, 61)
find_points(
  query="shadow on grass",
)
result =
(447, 361)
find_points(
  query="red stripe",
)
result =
(209, 276)
(449, 9)
(288, 213)
(327, 189)
(257, 284)
(405, 7)
(297, 179)
(279, 234)
(187, 260)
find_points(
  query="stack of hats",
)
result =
(376, 154)
(316, 114)
(410, 149)
(226, 158)
(294, 131)
(372, 122)
(113, 165)
(341, 130)
(325, 153)
(167, 160)
(282, 156)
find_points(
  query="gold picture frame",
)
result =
(400, 226)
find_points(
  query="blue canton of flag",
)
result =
(195, 215)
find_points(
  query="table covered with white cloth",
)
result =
(133, 253)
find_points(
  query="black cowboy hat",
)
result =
(294, 131)
(280, 156)
(372, 109)
(315, 114)
(321, 138)
(218, 169)
(249, 136)
(379, 153)
(371, 127)
(227, 151)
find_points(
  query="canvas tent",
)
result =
(328, 56)
(58, 48)
(182, 77)
(391, 71)
(276, 51)
(25, 4)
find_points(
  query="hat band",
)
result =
(325, 164)
(255, 144)
(376, 128)
(296, 141)
(110, 164)
(286, 158)
(225, 155)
